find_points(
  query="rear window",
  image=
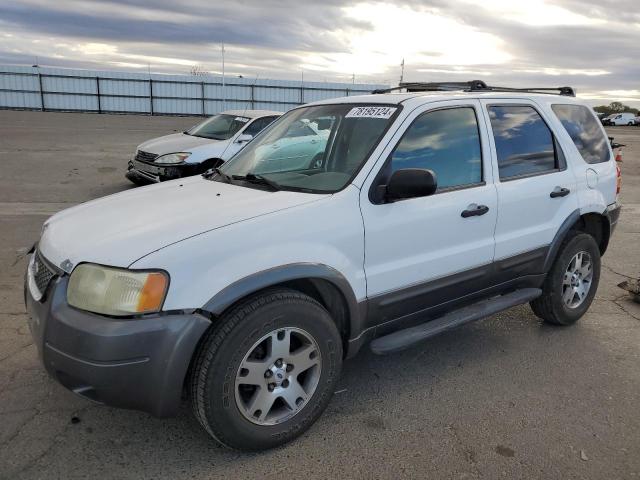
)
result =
(584, 130)
(524, 143)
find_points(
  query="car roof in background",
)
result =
(251, 113)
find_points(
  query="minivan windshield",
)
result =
(315, 149)
(219, 127)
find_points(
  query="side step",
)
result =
(397, 341)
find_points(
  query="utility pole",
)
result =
(353, 78)
(224, 100)
(402, 71)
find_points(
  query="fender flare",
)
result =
(561, 234)
(276, 275)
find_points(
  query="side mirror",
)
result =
(244, 138)
(411, 183)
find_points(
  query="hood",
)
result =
(119, 229)
(176, 142)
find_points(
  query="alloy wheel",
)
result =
(577, 280)
(278, 376)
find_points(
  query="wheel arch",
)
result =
(321, 282)
(597, 225)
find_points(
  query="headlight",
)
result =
(172, 158)
(116, 291)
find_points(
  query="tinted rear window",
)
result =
(524, 143)
(585, 132)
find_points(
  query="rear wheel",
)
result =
(266, 371)
(571, 284)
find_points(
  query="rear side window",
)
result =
(445, 141)
(524, 142)
(584, 130)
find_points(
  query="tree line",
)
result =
(616, 107)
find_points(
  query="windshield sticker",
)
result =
(241, 119)
(371, 112)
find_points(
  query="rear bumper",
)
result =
(613, 214)
(138, 363)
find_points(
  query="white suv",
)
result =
(248, 286)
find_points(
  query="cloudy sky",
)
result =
(593, 45)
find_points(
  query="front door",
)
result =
(424, 252)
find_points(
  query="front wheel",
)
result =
(571, 284)
(266, 371)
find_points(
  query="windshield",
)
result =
(219, 127)
(315, 149)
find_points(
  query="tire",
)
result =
(559, 304)
(222, 402)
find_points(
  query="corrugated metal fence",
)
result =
(53, 89)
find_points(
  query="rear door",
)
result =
(423, 252)
(536, 189)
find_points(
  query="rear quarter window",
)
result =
(584, 130)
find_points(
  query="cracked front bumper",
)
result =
(138, 363)
(141, 171)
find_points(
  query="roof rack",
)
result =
(472, 86)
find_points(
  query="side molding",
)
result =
(295, 271)
(559, 238)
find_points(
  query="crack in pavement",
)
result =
(52, 442)
(618, 273)
(619, 304)
(23, 347)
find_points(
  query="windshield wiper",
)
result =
(260, 179)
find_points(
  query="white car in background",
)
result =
(206, 145)
(619, 119)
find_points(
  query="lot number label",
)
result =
(371, 112)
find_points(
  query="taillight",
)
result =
(618, 179)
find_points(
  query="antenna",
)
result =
(402, 71)
(224, 100)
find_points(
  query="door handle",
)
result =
(474, 210)
(559, 192)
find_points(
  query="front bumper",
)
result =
(150, 173)
(139, 363)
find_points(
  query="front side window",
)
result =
(219, 127)
(446, 142)
(317, 149)
(584, 130)
(524, 142)
(258, 125)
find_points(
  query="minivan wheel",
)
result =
(266, 371)
(571, 284)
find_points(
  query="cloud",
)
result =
(589, 44)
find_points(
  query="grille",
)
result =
(145, 156)
(42, 273)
